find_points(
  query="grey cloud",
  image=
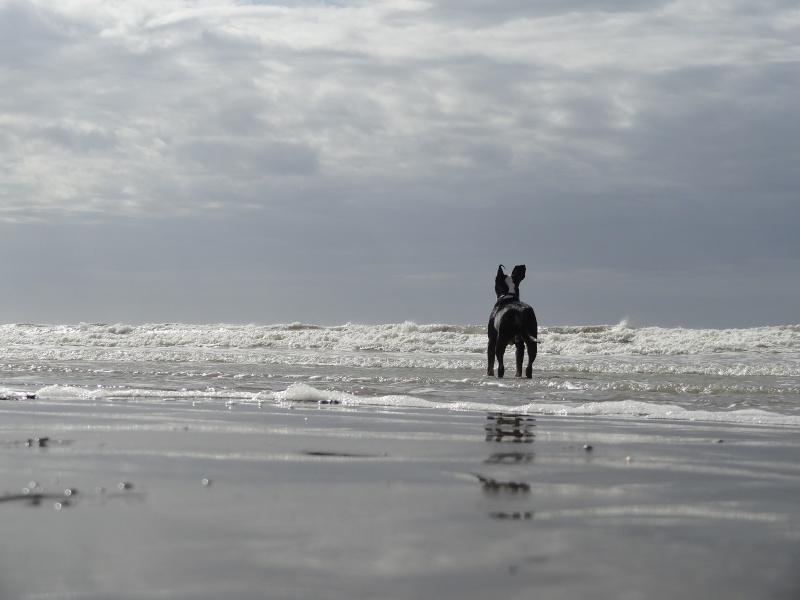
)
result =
(90, 140)
(26, 34)
(717, 137)
(256, 160)
(483, 13)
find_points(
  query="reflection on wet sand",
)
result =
(510, 427)
(493, 486)
(515, 516)
(34, 442)
(515, 428)
(509, 458)
(35, 495)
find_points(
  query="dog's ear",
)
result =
(518, 274)
(500, 282)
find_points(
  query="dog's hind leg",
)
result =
(532, 345)
(490, 350)
(500, 350)
(520, 354)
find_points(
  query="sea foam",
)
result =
(621, 339)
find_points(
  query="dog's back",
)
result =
(511, 321)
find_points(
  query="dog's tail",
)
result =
(529, 325)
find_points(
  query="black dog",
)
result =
(511, 321)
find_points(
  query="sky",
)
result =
(373, 162)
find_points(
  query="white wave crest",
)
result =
(408, 337)
(301, 393)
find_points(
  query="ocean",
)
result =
(735, 375)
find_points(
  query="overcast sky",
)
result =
(374, 161)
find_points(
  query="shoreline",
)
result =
(183, 500)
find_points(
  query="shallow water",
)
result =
(746, 375)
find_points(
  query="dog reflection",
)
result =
(509, 458)
(510, 427)
(492, 486)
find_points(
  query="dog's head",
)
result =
(508, 285)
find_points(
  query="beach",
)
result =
(302, 499)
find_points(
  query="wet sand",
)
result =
(180, 500)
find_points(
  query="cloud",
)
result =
(375, 90)
(408, 139)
